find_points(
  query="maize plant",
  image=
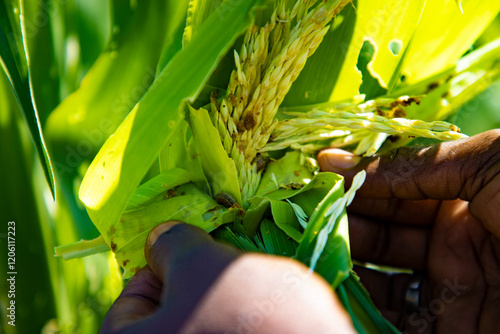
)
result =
(245, 94)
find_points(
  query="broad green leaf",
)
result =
(283, 213)
(175, 152)
(285, 219)
(435, 45)
(274, 241)
(14, 60)
(93, 27)
(389, 26)
(218, 167)
(126, 156)
(447, 91)
(80, 125)
(331, 73)
(177, 11)
(18, 198)
(286, 172)
(186, 203)
(157, 186)
(254, 215)
(42, 62)
(198, 12)
(321, 72)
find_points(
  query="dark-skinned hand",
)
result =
(436, 210)
(193, 284)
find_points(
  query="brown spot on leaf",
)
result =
(296, 185)
(393, 138)
(379, 111)
(432, 86)
(296, 172)
(249, 121)
(170, 193)
(398, 112)
(124, 263)
(113, 246)
(232, 99)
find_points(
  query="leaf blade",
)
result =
(125, 157)
(21, 86)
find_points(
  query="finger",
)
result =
(486, 206)
(388, 244)
(139, 299)
(188, 261)
(458, 268)
(457, 169)
(393, 210)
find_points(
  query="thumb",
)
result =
(188, 261)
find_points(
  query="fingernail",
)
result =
(338, 159)
(155, 233)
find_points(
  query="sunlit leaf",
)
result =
(435, 45)
(219, 169)
(126, 156)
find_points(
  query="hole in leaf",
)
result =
(371, 85)
(395, 46)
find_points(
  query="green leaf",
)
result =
(285, 219)
(335, 212)
(175, 27)
(431, 52)
(284, 173)
(175, 151)
(274, 241)
(335, 262)
(19, 197)
(218, 167)
(80, 125)
(14, 59)
(239, 241)
(82, 248)
(41, 55)
(186, 203)
(364, 314)
(126, 156)
(331, 73)
(157, 186)
(198, 12)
